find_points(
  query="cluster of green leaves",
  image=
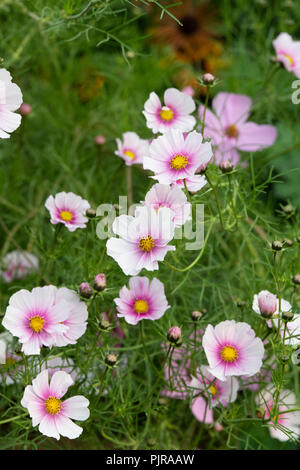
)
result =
(56, 62)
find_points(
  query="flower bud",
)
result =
(85, 290)
(100, 282)
(151, 442)
(104, 324)
(288, 242)
(267, 303)
(196, 315)
(296, 279)
(162, 401)
(298, 240)
(226, 166)
(174, 334)
(111, 359)
(90, 213)
(284, 358)
(240, 303)
(208, 79)
(288, 209)
(277, 245)
(287, 316)
(100, 140)
(25, 109)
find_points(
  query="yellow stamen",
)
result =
(232, 131)
(53, 405)
(141, 306)
(146, 244)
(229, 354)
(179, 162)
(166, 114)
(213, 389)
(36, 324)
(66, 216)
(129, 154)
(290, 59)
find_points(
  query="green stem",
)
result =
(217, 199)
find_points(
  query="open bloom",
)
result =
(161, 195)
(144, 300)
(214, 391)
(18, 264)
(292, 333)
(282, 421)
(175, 114)
(173, 156)
(10, 101)
(45, 407)
(229, 130)
(232, 348)
(68, 209)
(267, 303)
(76, 318)
(288, 52)
(132, 149)
(143, 239)
(35, 318)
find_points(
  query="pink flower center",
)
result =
(67, 216)
(232, 132)
(229, 353)
(53, 405)
(146, 244)
(36, 323)
(141, 306)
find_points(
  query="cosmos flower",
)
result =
(161, 195)
(144, 300)
(68, 209)
(267, 303)
(35, 318)
(174, 114)
(215, 392)
(229, 130)
(10, 101)
(143, 239)
(231, 349)
(288, 52)
(287, 423)
(76, 318)
(193, 184)
(173, 156)
(9, 366)
(292, 334)
(45, 407)
(132, 149)
(18, 264)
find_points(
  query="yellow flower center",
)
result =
(66, 216)
(129, 154)
(166, 114)
(229, 354)
(53, 405)
(232, 131)
(213, 389)
(141, 306)
(146, 244)
(290, 59)
(179, 162)
(36, 324)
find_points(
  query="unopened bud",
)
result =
(267, 303)
(104, 324)
(151, 442)
(240, 303)
(284, 358)
(226, 166)
(100, 282)
(287, 316)
(288, 242)
(296, 279)
(277, 245)
(208, 79)
(196, 315)
(85, 290)
(288, 209)
(111, 359)
(90, 213)
(100, 140)
(162, 401)
(25, 109)
(298, 239)
(174, 334)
